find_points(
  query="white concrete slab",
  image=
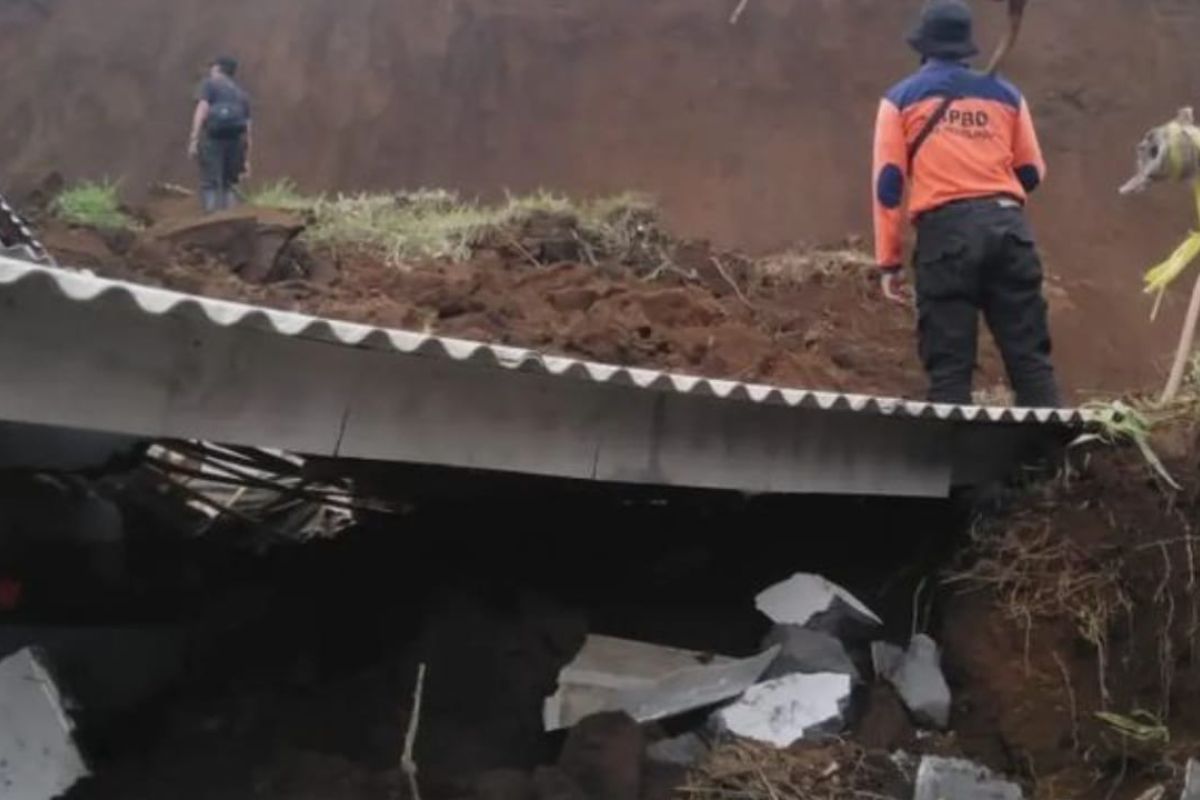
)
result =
(38, 756)
(957, 779)
(646, 681)
(803, 596)
(784, 711)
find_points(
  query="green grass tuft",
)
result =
(437, 224)
(282, 195)
(1116, 423)
(94, 204)
(403, 227)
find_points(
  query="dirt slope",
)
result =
(755, 134)
(816, 321)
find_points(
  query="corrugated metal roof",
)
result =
(83, 287)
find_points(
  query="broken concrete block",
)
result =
(784, 711)
(807, 651)
(917, 676)
(956, 779)
(646, 681)
(886, 658)
(38, 756)
(813, 602)
(603, 756)
(682, 751)
(1191, 781)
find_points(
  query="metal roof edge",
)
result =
(85, 287)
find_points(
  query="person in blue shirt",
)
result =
(221, 135)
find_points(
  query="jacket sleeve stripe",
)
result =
(889, 179)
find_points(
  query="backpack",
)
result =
(228, 119)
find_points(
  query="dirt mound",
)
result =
(812, 320)
(1072, 630)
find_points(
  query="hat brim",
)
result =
(955, 51)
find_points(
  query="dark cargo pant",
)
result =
(222, 162)
(973, 256)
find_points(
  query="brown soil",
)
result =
(1083, 601)
(828, 329)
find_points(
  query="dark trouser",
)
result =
(222, 162)
(972, 256)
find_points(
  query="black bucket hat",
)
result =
(227, 65)
(944, 31)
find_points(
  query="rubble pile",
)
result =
(784, 709)
(1078, 603)
(287, 624)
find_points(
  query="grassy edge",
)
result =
(435, 223)
(93, 204)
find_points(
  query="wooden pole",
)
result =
(408, 762)
(1016, 13)
(1186, 342)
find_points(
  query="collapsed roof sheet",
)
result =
(82, 351)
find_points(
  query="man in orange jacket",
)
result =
(961, 145)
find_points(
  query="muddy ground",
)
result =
(812, 319)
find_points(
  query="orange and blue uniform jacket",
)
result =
(984, 146)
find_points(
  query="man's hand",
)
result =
(193, 148)
(891, 281)
(246, 171)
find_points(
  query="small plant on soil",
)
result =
(93, 204)
(1118, 423)
(1140, 726)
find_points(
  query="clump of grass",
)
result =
(1140, 726)
(93, 204)
(283, 195)
(437, 224)
(620, 206)
(801, 265)
(538, 202)
(405, 227)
